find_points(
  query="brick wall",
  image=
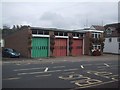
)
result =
(19, 42)
(86, 43)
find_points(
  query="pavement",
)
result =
(60, 59)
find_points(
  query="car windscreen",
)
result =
(10, 50)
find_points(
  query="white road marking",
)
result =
(82, 66)
(28, 69)
(37, 68)
(46, 70)
(0, 62)
(106, 65)
(102, 63)
(69, 73)
(28, 63)
(58, 66)
(15, 78)
(18, 64)
(71, 69)
(38, 72)
(101, 67)
(43, 75)
(114, 68)
(6, 62)
(87, 64)
(114, 65)
(71, 76)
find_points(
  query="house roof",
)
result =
(98, 27)
(114, 25)
(112, 28)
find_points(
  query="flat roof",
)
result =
(90, 30)
(54, 29)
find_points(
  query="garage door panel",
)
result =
(60, 49)
(39, 47)
(77, 47)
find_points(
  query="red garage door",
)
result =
(77, 47)
(60, 47)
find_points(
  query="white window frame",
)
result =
(110, 40)
(93, 34)
(97, 47)
(108, 31)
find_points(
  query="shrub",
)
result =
(96, 53)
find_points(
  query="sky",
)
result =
(63, 15)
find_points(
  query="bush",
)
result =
(96, 53)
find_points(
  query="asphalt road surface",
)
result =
(69, 75)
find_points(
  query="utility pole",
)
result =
(102, 22)
(86, 21)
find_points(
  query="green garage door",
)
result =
(39, 47)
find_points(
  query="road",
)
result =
(68, 74)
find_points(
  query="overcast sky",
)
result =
(66, 15)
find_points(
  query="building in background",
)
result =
(97, 27)
(93, 42)
(112, 38)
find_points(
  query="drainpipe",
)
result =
(68, 46)
(49, 53)
(83, 44)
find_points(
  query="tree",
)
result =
(5, 26)
(14, 27)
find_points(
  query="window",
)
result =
(118, 39)
(78, 35)
(110, 39)
(99, 47)
(99, 36)
(60, 33)
(34, 31)
(96, 47)
(81, 35)
(74, 34)
(92, 35)
(56, 33)
(65, 34)
(40, 32)
(96, 35)
(46, 32)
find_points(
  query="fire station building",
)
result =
(37, 42)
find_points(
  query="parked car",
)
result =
(12, 53)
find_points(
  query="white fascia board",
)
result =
(36, 35)
(61, 36)
(93, 31)
(76, 37)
